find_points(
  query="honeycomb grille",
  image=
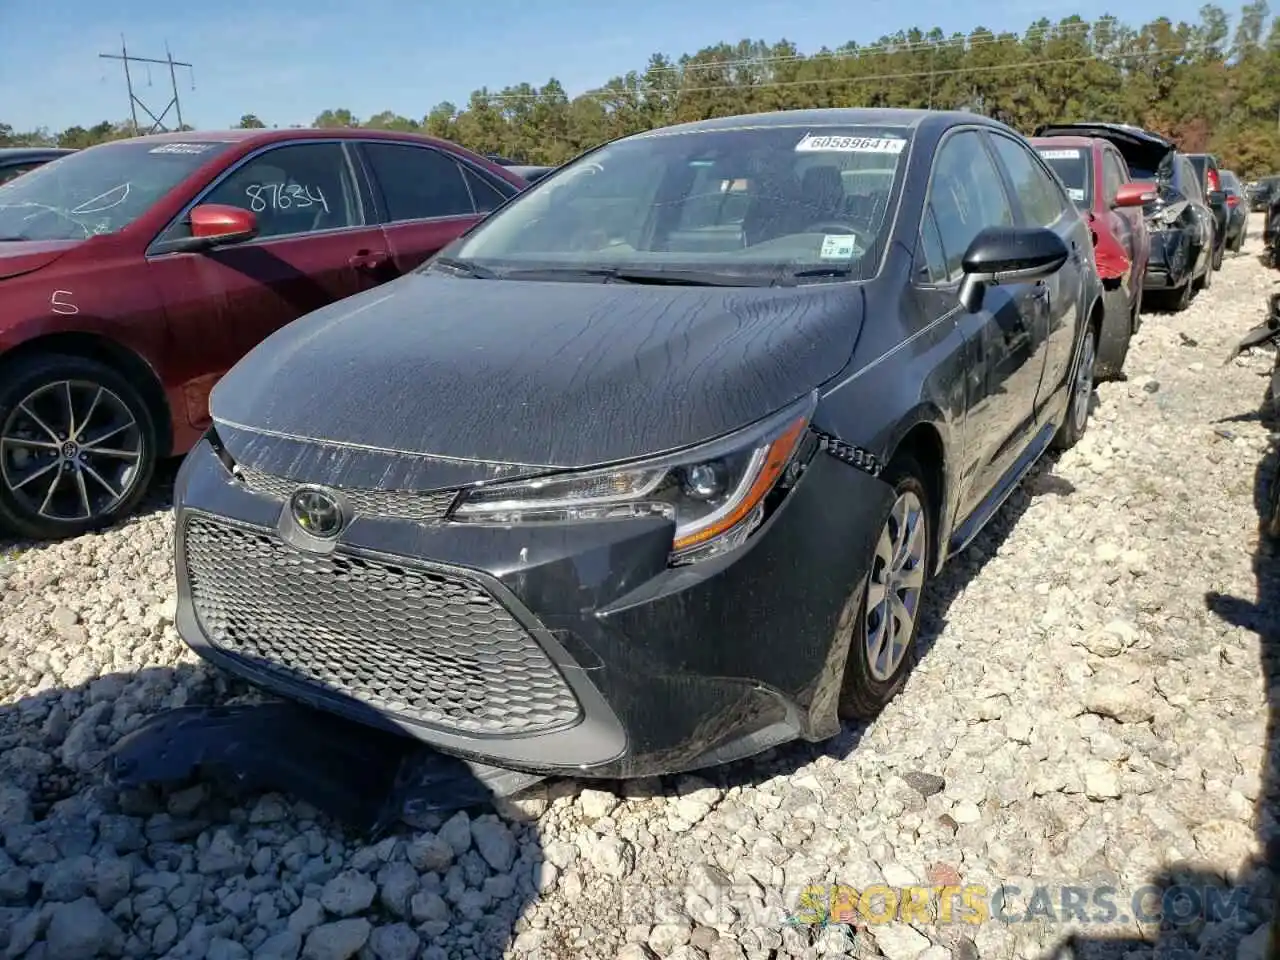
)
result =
(423, 646)
(403, 505)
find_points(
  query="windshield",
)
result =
(745, 204)
(99, 190)
(1073, 166)
(1229, 183)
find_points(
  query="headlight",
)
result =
(716, 494)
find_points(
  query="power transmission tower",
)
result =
(134, 101)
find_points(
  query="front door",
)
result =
(314, 247)
(1006, 337)
(1042, 202)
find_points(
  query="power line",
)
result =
(890, 47)
(822, 81)
(135, 102)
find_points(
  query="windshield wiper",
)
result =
(683, 278)
(821, 272)
(16, 238)
(465, 267)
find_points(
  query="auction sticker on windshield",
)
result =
(1060, 154)
(183, 148)
(837, 247)
(812, 144)
(1076, 194)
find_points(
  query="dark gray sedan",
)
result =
(652, 468)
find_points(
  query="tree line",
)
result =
(1205, 85)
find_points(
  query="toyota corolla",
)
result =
(651, 469)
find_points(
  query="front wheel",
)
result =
(882, 648)
(77, 447)
(1081, 401)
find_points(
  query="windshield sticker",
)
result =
(1060, 154)
(812, 144)
(182, 148)
(837, 247)
(1075, 193)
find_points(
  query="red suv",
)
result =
(1097, 178)
(134, 274)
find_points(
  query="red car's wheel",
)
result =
(77, 446)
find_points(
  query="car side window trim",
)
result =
(384, 209)
(250, 157)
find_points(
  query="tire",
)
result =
(1218, 253)
(869, 686)
(1178, 299)
(1076, 421)
(112, 479)
(1205, 280)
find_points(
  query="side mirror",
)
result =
(218, 224)
(1000, 255)
(212, 225)
(1217, 198)
(1135, 194)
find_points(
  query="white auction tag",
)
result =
(812, 144)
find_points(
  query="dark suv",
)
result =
(1209, 172)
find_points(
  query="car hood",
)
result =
(24, 256)
(434, 380)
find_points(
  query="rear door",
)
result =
(313, 247)
(1052, 304)
(426, 197)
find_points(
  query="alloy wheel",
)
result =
(895, 586)
(1083, 392)
(70, 450)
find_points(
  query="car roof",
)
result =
(262, 136)
(830, 116)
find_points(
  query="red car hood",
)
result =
(23, 256)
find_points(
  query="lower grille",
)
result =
(425, 646)
(401, 504)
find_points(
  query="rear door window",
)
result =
(419, 183)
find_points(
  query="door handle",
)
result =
(369, 259)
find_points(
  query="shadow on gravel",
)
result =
(89, 867)
(1187, 912)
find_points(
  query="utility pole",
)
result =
(134, 102)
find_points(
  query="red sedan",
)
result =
(1098, 180)
(135, 273)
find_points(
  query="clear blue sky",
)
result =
(289, 59)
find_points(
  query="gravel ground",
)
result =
(1092, 712)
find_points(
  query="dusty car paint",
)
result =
(437, 383)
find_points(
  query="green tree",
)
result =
(250, 121)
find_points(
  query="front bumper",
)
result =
(546, 648)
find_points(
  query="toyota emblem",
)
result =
(317, 512)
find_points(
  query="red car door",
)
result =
(428, 197)
(314, 246)
(1126, 223)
